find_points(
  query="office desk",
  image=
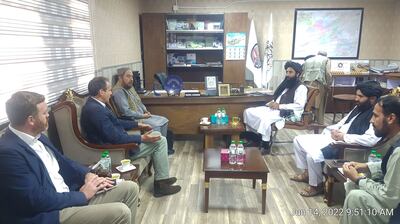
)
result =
(184, 113)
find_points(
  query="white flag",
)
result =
(268, 55)
(253, 62)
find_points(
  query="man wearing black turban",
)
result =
(289, 100)
(311, 150)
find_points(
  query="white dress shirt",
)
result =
(47, 157)
(103, 104)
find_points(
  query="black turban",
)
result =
(370, 88)
(296, 66)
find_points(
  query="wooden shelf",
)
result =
(196, 49)
(195, 66)
(195, 31)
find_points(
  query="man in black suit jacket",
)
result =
(101, 126)
(39, 185)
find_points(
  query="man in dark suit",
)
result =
(101, 126)
(39, 185)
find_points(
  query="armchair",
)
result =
(66, 114)
(351, 152)
(307, 120)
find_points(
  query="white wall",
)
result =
(395, 46)
(116, 33)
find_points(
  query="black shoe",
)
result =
(250, 136)
(265, 151)
(265, 148)
(168, 181)
(250, 143)
(161, 188)
(171, 151)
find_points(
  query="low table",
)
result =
(253, 168)
(333, 175)
(211, 130)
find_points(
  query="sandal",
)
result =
(311, 191)
(300, 178)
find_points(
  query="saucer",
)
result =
(120, 169)
(205, 123)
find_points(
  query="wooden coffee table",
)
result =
(253, 168)
(211, 130)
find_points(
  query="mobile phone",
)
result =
(341, 161)
(105, 190)
(114, 183)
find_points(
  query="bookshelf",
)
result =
(168, 40)
(195, 46)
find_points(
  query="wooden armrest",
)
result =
(114, 147)
(348, 145)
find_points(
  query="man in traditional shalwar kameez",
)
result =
(289, 100)
(131, 107)
(374, 197)
(312, 149)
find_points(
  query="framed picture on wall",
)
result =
(334, 30)
(224, 90)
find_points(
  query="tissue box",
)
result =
(224, 155)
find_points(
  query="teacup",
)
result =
(125, 163)
(204, 120)
(235, 121)
(115, 176)
(155, 134)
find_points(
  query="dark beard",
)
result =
(383, 132)
(287, 83)
(127, 86)
(364, 106)
(291, 82)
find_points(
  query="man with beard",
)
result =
(131, 107)
(374, 197)
(311, 150)
(289, 100)
(39, 185)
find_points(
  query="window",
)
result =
(45, 47)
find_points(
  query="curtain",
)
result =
(45, 47)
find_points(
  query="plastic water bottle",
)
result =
(105, 163)
(232, 153)
(378, 157)
(219, 117)
(223, 116)
(372, 156)
(240, 153)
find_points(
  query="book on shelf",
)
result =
(214, 63)
(191, 58)
(192, 94)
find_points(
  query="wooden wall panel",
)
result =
(234, 71)
(153, 38)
